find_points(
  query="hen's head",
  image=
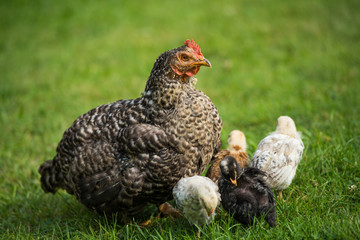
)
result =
(179, 63)
(187, 60)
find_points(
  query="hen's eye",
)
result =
(185, 57)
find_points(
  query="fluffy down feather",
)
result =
(197, 198)
(279, 154)
(120, 156)
(245, 194)
(236, 149)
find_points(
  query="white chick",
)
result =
(279, 154)
(197, 198)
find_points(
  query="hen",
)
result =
(245, 194)
(236, 149)
(279, 154)
(197, 197)
(120, 156)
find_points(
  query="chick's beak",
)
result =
(233, 181)
(203, 62)
(209, 213)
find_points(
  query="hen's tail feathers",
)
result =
(49, 177)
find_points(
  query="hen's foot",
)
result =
(165, 210)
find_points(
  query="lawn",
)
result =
(270, 58)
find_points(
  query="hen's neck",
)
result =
(165, 90)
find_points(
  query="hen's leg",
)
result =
(165, 210)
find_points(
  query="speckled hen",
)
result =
(121, 156)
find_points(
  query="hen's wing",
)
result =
(141, 158)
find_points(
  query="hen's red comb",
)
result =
(194, 46)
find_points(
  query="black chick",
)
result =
(244, 193)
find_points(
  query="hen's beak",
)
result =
(203, 62)
(233, 181)
(209, 213)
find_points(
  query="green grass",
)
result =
(270, 58)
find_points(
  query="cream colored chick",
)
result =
(197, 198)
(236, 149)
(279, 154)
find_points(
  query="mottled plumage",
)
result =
(120, 156)
(236, 149)
(279, 154)
(197, 197)
(245, 194)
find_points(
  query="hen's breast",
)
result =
(194, 130)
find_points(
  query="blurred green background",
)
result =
(59, 59)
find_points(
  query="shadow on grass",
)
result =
(60, 215)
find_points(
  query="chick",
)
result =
(279, 154)
(197, 198)
(236, 149)
(244, 193)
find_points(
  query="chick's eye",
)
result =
(185, 57)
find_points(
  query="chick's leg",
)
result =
(199, 233)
